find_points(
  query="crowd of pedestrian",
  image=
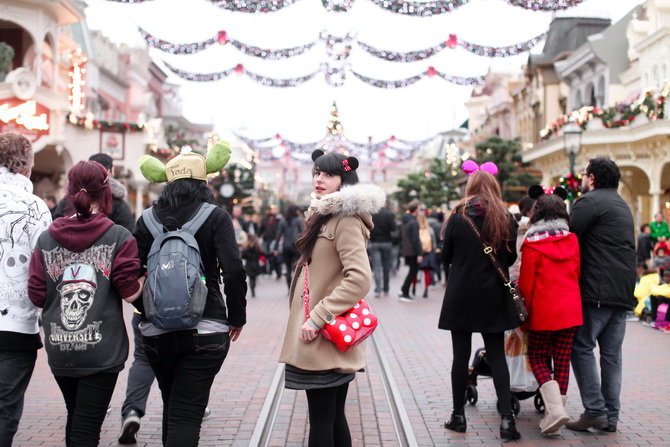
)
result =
(576, 270)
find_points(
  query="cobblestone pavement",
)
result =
(419, 356)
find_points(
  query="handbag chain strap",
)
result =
(305, 294)
(489, 252)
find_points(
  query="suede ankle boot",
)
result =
(457, 421)
(555, 415)
(508, 429)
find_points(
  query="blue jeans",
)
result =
(16, 369)
(185, 364)
(86, 399)
(605, 326)
(380, 255)
(140, 376)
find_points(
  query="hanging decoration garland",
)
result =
(340, 48)
(653, 107)
(253, 6)
(392, 148)
(544, 5)
(293, 82)
(222, 38)
(411, 8)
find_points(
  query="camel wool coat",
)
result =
(339, 277)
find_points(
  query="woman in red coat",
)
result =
(549, 280)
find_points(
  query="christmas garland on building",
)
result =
(329, 72)
(89, 123)
(619, 115)
(453, 41)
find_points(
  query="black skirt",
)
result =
(299, 379)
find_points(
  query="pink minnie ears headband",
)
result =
(535, 191)
(348, 164)
(470, 166)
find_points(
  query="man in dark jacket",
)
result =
(121, 213)
(410, 248)
(604, 225)
(380, 247)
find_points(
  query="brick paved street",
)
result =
(419, 356)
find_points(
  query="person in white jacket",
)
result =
(23, 217)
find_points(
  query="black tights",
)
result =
(327, 423)
(495, 355)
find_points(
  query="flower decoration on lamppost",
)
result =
(572, 139)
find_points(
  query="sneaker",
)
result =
(630, 316)
(208, 414)
(648, 323)
(407, 299)
(377, 294)
(129, 427)
(585, 422)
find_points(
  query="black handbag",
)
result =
(517, 299)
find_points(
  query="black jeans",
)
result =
(86, 400)
(185, 364)
(16, 368)
(140, 376)
(411, 261)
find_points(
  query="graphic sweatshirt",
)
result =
(79, 273)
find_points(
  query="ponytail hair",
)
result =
(88, 184)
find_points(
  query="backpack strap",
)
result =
(150, 220)
(193, 225)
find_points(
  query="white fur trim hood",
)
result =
(354, 200)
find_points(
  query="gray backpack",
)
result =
(175, 290)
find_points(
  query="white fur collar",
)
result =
(546, 225)
(351, 200)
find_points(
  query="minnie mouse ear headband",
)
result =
(470, 166)
(187, 164)
(536, 191)
(348, 164)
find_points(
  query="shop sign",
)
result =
(25, 117)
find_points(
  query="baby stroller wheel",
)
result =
(516, 405)
(539, 403)
(471, 394)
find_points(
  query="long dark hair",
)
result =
(184, 190)
(549, 207)
(484, 187)
(88, 183)
(331, 163)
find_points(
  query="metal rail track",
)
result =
(403, 428)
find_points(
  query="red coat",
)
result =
(549, 281)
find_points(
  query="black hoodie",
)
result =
(79, 272)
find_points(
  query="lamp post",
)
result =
(572, 138)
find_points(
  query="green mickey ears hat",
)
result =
(187, 164)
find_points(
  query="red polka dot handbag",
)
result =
(348, 329)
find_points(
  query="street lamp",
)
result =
(572, 138)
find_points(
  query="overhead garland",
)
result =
(411, 8)
(619, 115)
(334, 77)
(333, 43)
(391, 149)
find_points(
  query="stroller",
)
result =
(481, 367)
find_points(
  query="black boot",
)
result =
(425, 293)
(508, 427)
(457, 421)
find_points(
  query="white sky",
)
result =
(301, 113)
